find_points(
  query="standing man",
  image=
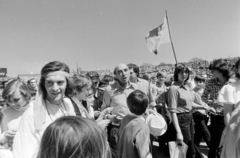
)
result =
(115, 96)
(142, 84)
(33, 87)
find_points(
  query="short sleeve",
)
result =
(226, 95)
(142, 144)
(172, 97)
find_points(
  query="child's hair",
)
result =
(79, 82)
(199, 78)
(74, 137)
(137, 102)
(15, 85)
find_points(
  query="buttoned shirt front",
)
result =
(116, 96)
(180, 98)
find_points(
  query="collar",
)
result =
(179, 84)
(129, 85)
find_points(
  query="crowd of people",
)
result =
(119, 116)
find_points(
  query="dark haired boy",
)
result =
(134, 134)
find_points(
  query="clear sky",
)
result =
(99, 34)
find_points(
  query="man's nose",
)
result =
(55, 87)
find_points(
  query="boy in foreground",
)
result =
(134, 135)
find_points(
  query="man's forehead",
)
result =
(121, 67)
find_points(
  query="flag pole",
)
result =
(171, 38)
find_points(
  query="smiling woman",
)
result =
(17, 97)
(49, 105)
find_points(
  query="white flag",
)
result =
(158, 36)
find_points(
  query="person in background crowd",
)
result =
(17, 97)
(145, 77)
(221, 72)
(142, 85)
(74, 137)
(153, 80)
(134, 134)
(95, 95)
(115, 96)
(108, 79)
(81, 87)
(161, 87)
(49, 105)
(32, 85)
(229, 96)
(180, 103)
(200, 117)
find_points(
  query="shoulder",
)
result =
(173, 88)
(67, 101)
(7, 111)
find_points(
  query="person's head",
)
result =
(153, 79)
(16, 94)
(81, 86)
(161, 77)
(181, 73)
(32, 83)
(74, 137)
(107, 79)
(137, 102)
(122, 73)
(199, 81)
(145, 77)
(94, 76)
(220, 69)
(134, 72)
(54, 83)
(237, 67)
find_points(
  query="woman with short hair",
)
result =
(221, 71)
(229, 96)
(180, 103)
(17, 97)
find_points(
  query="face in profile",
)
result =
(133, 75)
(217, 74)
(17, 101)
(55, 86)
(84, 94)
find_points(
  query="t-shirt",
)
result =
(134, 138)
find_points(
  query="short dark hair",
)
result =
(51, 67)
(134, 67)
(137, 102)
(222, 66)
(199, 78)
(180, 68)
(237, 66)
(145, 77)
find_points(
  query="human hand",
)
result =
(179, 140)
(110, 117)
(96, 113)
(9, 134)
(211, 110)
(103, 123)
